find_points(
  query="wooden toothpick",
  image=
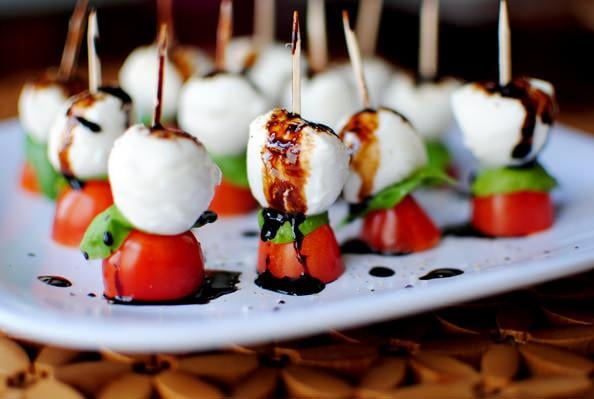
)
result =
(368, 22)
(73, 40)
(429, 39)
(296, 51)
(165, 17)
(264, 19)
(316, 35)
(505, 74)
(162, 48)
(355, 56)
(93, 58)
(224, 32)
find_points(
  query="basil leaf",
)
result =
(438, 155)
(512, 180)
(234, 168)
(50, 181)
(284, 235)
(391, 196)
(105, 234)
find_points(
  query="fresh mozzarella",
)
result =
(137, 77)
(272, 70)
(83, 133)
(492, 123)
(427, 105)
(377, 75)
(239, 53)
(322, 158)
(397, 148)
(162, 181)
(218, 110)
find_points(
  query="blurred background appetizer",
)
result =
(505, 125)
(218, 109)
(296, 171)
(163, 181)
(80, 140)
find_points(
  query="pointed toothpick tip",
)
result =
(224, 32)
(356, 60)
(296, 51)
(73, 40)
(162, 54)
(93, 57)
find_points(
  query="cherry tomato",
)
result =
(403, 229)
(29, 179)
(230, 200)
(154, 268)
(512, 215)
(319, 249)
(76, 209)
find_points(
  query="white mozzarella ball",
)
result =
(398, 148)
(162, 181)
(218, 110)
(377, 75)
(83, 134)
(319, 154)
(272, 70)
(138, 76)
(492, 124)
(427, 105)
(238, 53)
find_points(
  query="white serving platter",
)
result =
(69, 317)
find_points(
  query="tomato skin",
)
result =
(231, 200)
(76, 209)
(154, 268)
(319, 248)
(513, 215)
(28, 180)
(404, 228)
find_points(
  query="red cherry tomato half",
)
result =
(512, 215)
(76, 209)
(29, 181)
(403, 229)
(319, 248)
(154, 268)
(230, 200)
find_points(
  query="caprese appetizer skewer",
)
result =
(80, 140)
(39, 102)
(388, 161)
(217, 109)
(296, 171)
(425, 99)
(505, 125)
(163, 181)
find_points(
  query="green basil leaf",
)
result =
(511, 180)
(438, 155)
(50, 181)
(234, 168)
(284, 235)
(110, 223)
(391, 196)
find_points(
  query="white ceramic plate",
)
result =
(69, 317)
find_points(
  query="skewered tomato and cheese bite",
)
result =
(506, 125)
(296, 170)
(137, 73)
(81, 138)
(163, 181)
(388, 161)
(40, 101)
(217, 109)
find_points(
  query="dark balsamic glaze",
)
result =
(107, 238)
(74, 183)
(250, 233)
(441, 273)
(536, 103)
(55, 281)
(304, 285)
(216, 284)
(381, 271)
(360, 247)
(117, 92)
(464, 230)
(206, 218)
(92, 126)
(92, 295)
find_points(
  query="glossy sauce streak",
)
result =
(441, 273)
(304, 285)
(359, 137)
(536, 103)
(381, 271)
(463, 230)
(55, 281)
(359, 247)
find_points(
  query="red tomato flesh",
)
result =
(319, 248)
(76, 209)
(230, 200)
(29, 181)
(513, 215)
(154, 268)
(403, 229)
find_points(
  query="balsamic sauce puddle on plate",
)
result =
(441, 273)
(360, 247)
(55, 281)
(381, 271)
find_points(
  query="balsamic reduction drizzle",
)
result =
(250, 233)
(441, 273)
(464, 230)
(304, 285)
(55, 281)
(117, 92)
(360, 247)
(381, 271)
(92, 126)
(206, 218)
(74, 183)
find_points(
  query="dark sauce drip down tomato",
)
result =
(536, 103)
(304, 285)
